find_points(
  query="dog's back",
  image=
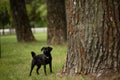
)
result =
(40, 59)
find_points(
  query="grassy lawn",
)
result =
(16, 59)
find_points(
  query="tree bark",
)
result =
(93, 28)
(56, 17)
(23, 28)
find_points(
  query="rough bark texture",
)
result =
(23, 29)
(56, 17)
(93, 28)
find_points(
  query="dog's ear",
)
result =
(42, 48)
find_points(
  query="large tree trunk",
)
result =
(23, 28)
(56, 17)
(93, 28)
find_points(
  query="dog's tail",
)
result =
(33, 54)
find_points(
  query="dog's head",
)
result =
(46, 50)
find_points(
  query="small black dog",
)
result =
(42, 59)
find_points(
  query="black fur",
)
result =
(33, 54)
(42, 59)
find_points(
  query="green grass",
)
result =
(16, 59)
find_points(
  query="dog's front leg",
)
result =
(45, 69)
(50, 65)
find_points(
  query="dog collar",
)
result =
(47, 57)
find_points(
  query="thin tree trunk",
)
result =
(23, 28)
(3, 29)
(56, 17)
(93, 38)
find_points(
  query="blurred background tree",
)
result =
(4, 14)
(36, 10)
(21, 21)
(56, 18)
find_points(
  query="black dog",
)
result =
(42, 59)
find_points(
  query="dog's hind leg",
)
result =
(38, 67)
(32, 66)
